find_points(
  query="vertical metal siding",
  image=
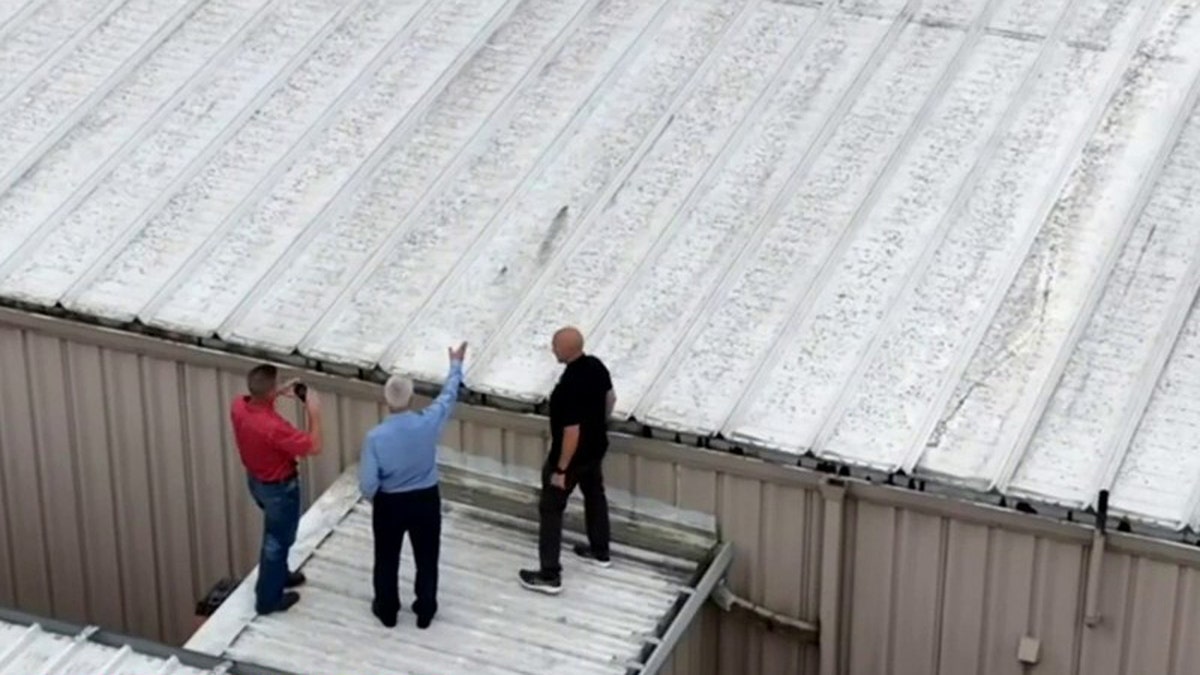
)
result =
(123, 500)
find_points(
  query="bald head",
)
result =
(567, 344)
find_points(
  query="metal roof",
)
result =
(619, 620)
(32, 645)
(953, 238)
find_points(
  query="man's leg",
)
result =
(281, 511)
(426, 536)
(389, 537)
(595, 510)
(547, 578)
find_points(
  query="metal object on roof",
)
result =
(30, 645)
(950, 239)
(625, 619)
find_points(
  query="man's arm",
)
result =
(298, 443)
(570, 443)
(443, 405)
(368, 471)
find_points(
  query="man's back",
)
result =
(267, 444)
(404, 446)
(580, 397)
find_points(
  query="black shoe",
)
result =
(584, 551)
(424, 621)
(540, 582)
(295, 579)
(388, 620)
(285, 603)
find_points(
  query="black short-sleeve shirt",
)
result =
(581, 397)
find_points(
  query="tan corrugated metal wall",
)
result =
(123, 501)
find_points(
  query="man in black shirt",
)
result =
(580, 406)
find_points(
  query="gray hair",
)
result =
(398, 392)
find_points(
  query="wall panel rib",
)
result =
(123, 500)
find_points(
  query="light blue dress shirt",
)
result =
(400, 453)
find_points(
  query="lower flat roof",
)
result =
(605, 621)
(31, 644)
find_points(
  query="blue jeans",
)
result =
(280, 504)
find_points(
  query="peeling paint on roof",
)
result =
(951, 239)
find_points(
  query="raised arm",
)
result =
(443, 405)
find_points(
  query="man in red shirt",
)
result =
(270, 448)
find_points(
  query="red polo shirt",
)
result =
(269, 444)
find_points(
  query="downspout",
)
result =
(833, 492)
(1091, 611)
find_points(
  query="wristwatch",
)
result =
(560, 472)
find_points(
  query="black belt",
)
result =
(280, 481)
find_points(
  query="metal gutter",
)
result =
(928, 495)
(84, 634)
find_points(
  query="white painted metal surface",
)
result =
(953, 239)
(486, 622)
(30, 649)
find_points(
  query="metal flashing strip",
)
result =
(662, 650)
(123, 644)
(929, 494)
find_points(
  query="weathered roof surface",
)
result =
(29, 645)
(605, 621)
(954, 238)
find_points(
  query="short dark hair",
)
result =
(261, 380)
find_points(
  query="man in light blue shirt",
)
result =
(398, 473)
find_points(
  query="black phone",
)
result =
(301, 391)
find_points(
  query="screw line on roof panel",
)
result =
(32, 633)
(112, 160)
(23, 12)
(478, 244)
(1012, 450)
(200, 161)
(801, 313)
(733, 142)
(1134, 408)
(340, 200)
(65, 48)
(744, 254)
(168, 667)
(849, 386)
(55, 665)
(279, 168)
(110, 666)
(495, 116)
(106, 86)
(1148, 380)
(488, 349)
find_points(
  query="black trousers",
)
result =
(418, 514)
(590, 479)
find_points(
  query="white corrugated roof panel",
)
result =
(605, 621)
(29, 647)
(953, 239)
